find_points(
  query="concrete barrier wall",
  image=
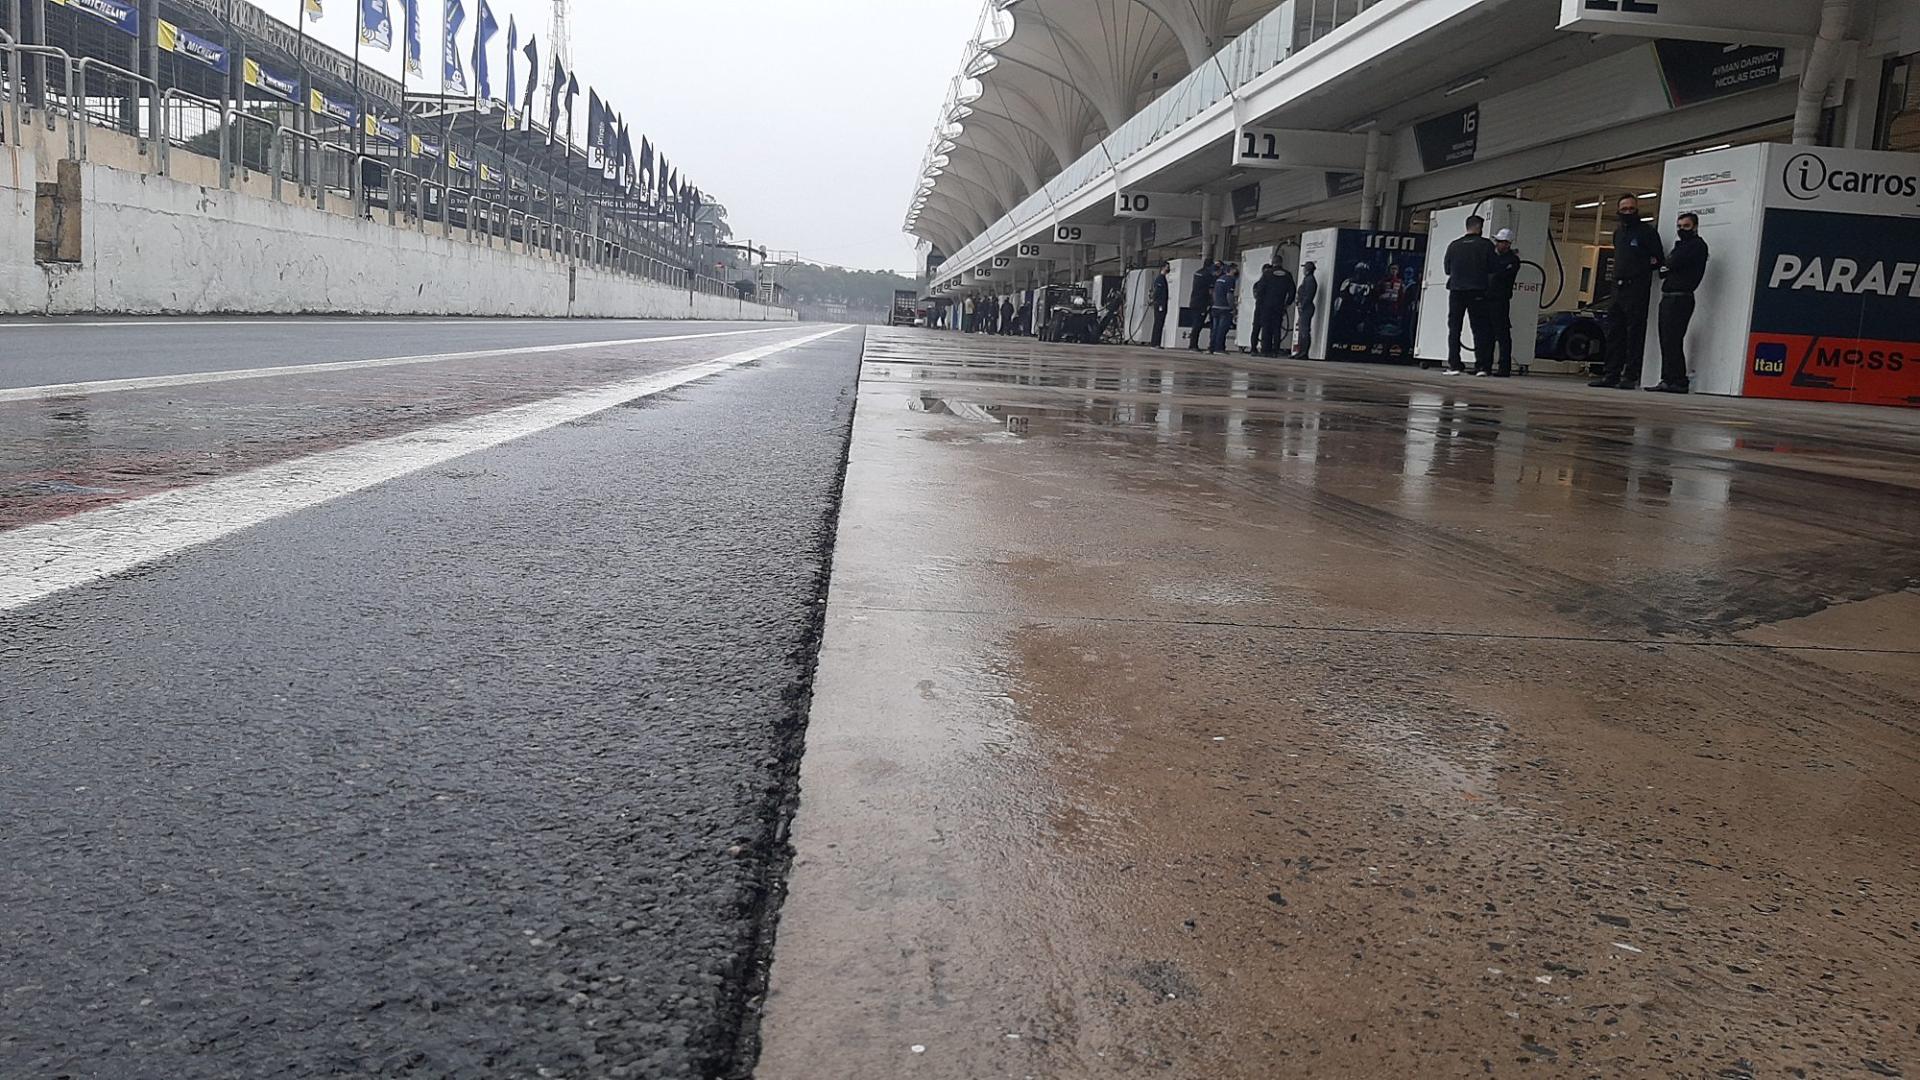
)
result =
(19, 275)
(153, 245)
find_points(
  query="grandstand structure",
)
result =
(226, 80)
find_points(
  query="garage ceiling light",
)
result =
(1594, 205)
(1465, 86)
(1650, 195)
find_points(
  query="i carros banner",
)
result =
(1748, 22)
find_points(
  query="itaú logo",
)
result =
(1808, 178)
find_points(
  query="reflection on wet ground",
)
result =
(1311, 720)
(64, 455)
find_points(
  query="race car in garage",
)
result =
(1573, 337)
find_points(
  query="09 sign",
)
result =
(1085, 234)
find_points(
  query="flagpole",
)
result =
(406, 61)
(359, 95)
(304, 107)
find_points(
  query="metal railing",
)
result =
(241, 138)
(122, 114)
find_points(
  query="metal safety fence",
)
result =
(257, 147)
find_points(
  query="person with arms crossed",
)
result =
(1679, 280)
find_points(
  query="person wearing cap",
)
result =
(1504, 274)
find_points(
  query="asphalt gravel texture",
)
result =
(483, 772)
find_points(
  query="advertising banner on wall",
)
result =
(1374, 306)
(1814, 289)
(272, 82)
(122, 15)
(1700, 71)
(1836, 313)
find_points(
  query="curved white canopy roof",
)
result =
(1041, 83)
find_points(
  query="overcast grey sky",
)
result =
(807, 118)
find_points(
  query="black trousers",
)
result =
(1469, 306)
(1500, 315)
(1159, 324)
(1259, 329)
(1676, 314)
(1199, 325)
(1627, 333)
(1307, 312)
(1274, 330)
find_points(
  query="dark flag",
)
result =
(596, 115)
(513, 73)
(484, 27)
(624, 176)
(646, 161)
(533, 76)
(573, 91)
(553, 101)
(610, 141)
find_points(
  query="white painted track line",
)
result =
(238, 322)
(195, 378)
(37, 561)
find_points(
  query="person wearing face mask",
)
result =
(1679, 280)
(1637, 254)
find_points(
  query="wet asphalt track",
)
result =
(477, 773)
(36, 352)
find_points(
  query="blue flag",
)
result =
(411, 8)
(484, 27)
(453, 77)
(513, 54)
(376, 24)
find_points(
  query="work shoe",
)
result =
(1503, 374)
(1668, 388)
(1605, 384)
(1482, 374)
(1452, 371)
